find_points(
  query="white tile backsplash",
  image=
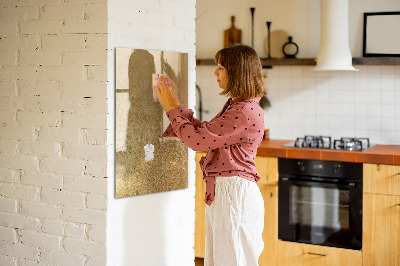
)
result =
(374, 97)
(388, 110)
(388, 97)
(374, 83)
(361, 110)
(364, 103)
(388, 83)
(387, 71)
(374, 110)
(387, 124)
(348, 96)
(361, 125)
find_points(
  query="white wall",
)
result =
(299, 18)
(156, 229)
(53, 190)
(338, 104)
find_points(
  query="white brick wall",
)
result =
(75, 230)
(54, 135)
(8, 234)
(53, 107)
(62, 258)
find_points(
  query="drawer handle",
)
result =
(318, 254)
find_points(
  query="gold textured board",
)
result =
(145, 162)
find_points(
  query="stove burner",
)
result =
(351, 144)
(308, 141)
(324, 142)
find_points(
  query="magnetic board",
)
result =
(145, 162)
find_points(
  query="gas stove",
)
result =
(325, 142)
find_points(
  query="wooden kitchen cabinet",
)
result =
(270, 233)
(381, 215)
(267, 168)
(298, 254)
(381, 179)
(381, 230)
(200, 207)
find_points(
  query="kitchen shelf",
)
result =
(376, 61)
(312, 61)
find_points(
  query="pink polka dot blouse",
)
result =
(231, 139)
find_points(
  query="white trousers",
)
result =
(234, 223)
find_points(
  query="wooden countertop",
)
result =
(379, 154)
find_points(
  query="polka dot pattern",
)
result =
(231, 139)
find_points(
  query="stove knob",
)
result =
(336, 169)
(301, 166)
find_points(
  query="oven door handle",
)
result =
(330, 184)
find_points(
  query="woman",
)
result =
(235, 207)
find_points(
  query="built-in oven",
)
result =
(320, 202)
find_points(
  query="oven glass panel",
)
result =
(324, 211)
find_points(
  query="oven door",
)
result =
(321, 212)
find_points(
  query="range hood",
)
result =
(334, 51)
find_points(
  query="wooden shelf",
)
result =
(312, 61)
(288, 62)
(376, 61)
(268, 62)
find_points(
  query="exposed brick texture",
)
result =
(53, 110)
(55, 86)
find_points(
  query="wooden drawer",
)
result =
(381, 179)
(298, 254)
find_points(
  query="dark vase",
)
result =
(290, 49)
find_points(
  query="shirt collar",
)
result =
(254, 99)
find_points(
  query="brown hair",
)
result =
(245, 78)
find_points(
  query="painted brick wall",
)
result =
(53, 105)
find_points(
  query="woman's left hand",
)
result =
(163, 91)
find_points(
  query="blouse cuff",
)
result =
(169, 132)
(184, 111)
(172, 115)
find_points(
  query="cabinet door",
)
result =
(297, 254)
(200, 207)
(381, 230)
(267, 168)
(270, 233)
(381, 179)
